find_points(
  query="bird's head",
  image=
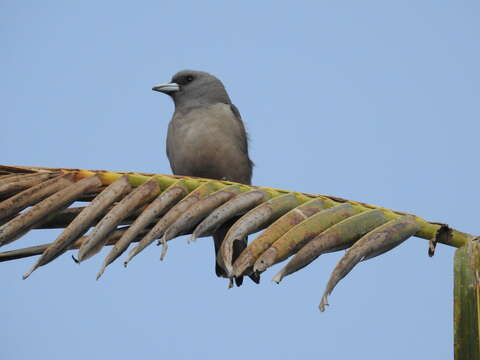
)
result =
(192, 88)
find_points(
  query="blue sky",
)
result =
(373, 101)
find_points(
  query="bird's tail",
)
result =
(238, 247)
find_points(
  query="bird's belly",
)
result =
(206, 142)
(208, 153)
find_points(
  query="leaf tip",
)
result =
(323, 303)
(164, 249)
(29, 272)
(279, 276)
(192, 238)
(100, 273)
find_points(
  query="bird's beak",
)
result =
(167, 88)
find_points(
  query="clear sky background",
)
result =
(374, 101)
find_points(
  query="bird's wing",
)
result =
(244, 142)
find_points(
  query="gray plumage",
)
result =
(206, 136)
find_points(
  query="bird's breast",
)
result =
(205, 142)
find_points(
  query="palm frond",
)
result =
(135, 207)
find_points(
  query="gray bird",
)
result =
(207, 138)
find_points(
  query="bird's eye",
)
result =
(189, 78)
